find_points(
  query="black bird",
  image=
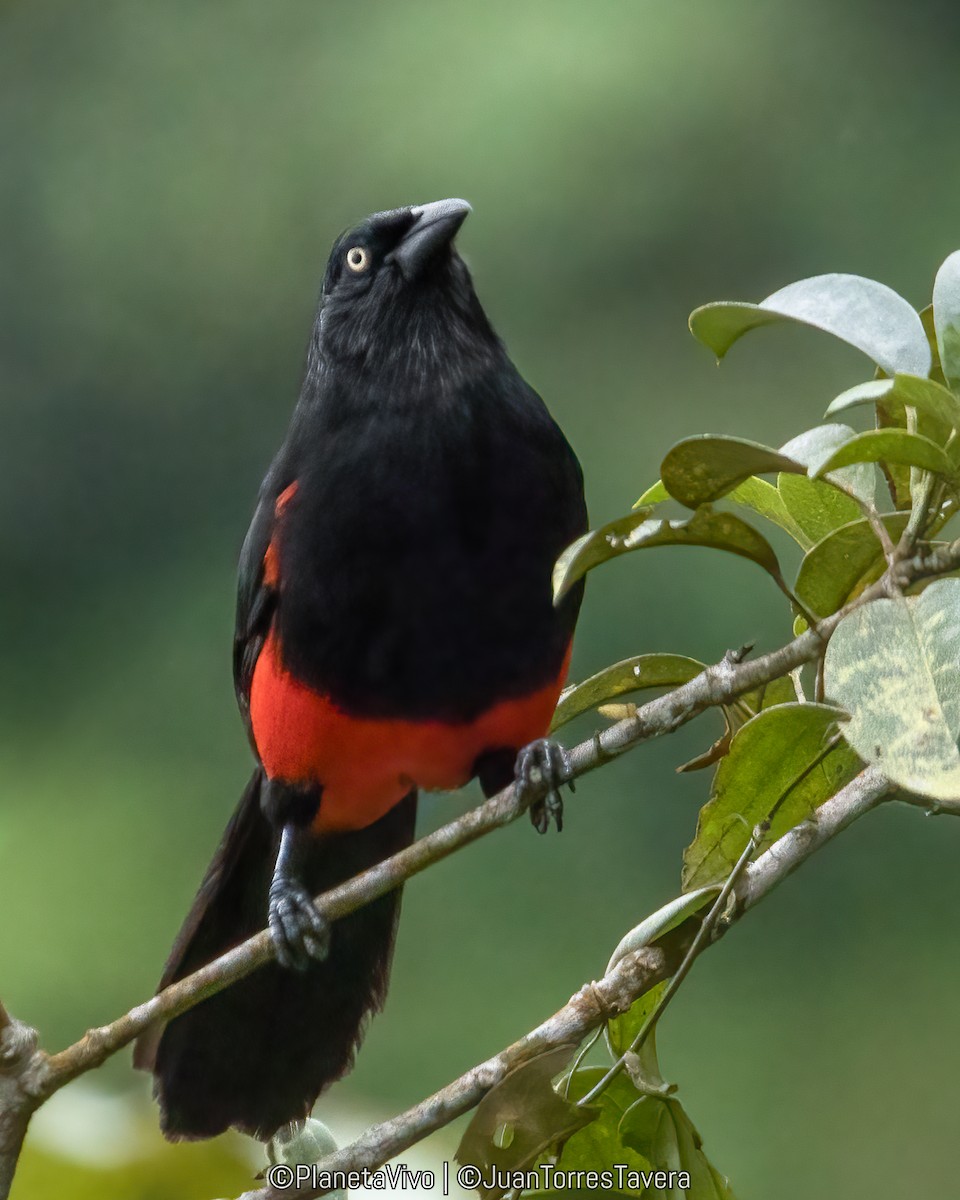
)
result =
(395, 631)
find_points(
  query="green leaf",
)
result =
(622, 1029)
(594, 548)
(770, 758)
(526, 1107)
(777, 691)
(930, 399)
(599, 1145)
(861, 312)
(930, 329)
(718, 530)
(648, 1127)
(700, 469)
(756, 494)
(946, 317)
(661, 1130)
(892, 664)
(706, 1182)
(891, 415)
(815, 445)
(861, 393)
(840, 566)
(888, 445)
(655, 494)
(631, 675)
(667, 917)
(764, 499)
(585, 1193)
(817, 506)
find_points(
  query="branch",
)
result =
(717, 684)
(37, 1076)
(19, 1063)
(594, 1003)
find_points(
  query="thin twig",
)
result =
(871, 514)
(704, 934)
(706, 930)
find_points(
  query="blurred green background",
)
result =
(171, 176)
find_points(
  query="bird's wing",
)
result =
(258, 587)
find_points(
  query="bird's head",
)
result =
(397, 297)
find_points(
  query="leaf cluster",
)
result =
(856, 504)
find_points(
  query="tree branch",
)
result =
(28, 1080)
(20, 1061)
(596, 1002)
(716, 685)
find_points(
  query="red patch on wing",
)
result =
(367, 765)
(271, 560)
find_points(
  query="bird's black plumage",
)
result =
(447, 492)
(399, 564)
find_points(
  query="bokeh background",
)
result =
(171, 176)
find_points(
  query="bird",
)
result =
(395, 632)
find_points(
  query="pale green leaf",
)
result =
(893, 665)
(930, 329)
(930, 399)
(820, 506)
(861, 312)
(888, 445)
(816, 445)
(668, 917)
(946, 317)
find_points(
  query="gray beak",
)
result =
(435, 226)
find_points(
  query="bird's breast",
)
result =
(366, 765)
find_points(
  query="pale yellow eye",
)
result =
(358, 259)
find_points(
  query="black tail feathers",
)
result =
(258, 1054)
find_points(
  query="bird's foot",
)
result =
(300, 932)
(544, 762)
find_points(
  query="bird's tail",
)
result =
(258, 1054)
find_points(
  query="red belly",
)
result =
(366, 765)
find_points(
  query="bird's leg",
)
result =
(542, 761)
(300, 932)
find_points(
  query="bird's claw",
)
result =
(301, 934)
(544, 762)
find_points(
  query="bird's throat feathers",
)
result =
(423, 338)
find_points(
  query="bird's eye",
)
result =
(358, 259)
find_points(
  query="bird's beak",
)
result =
(435, 226)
